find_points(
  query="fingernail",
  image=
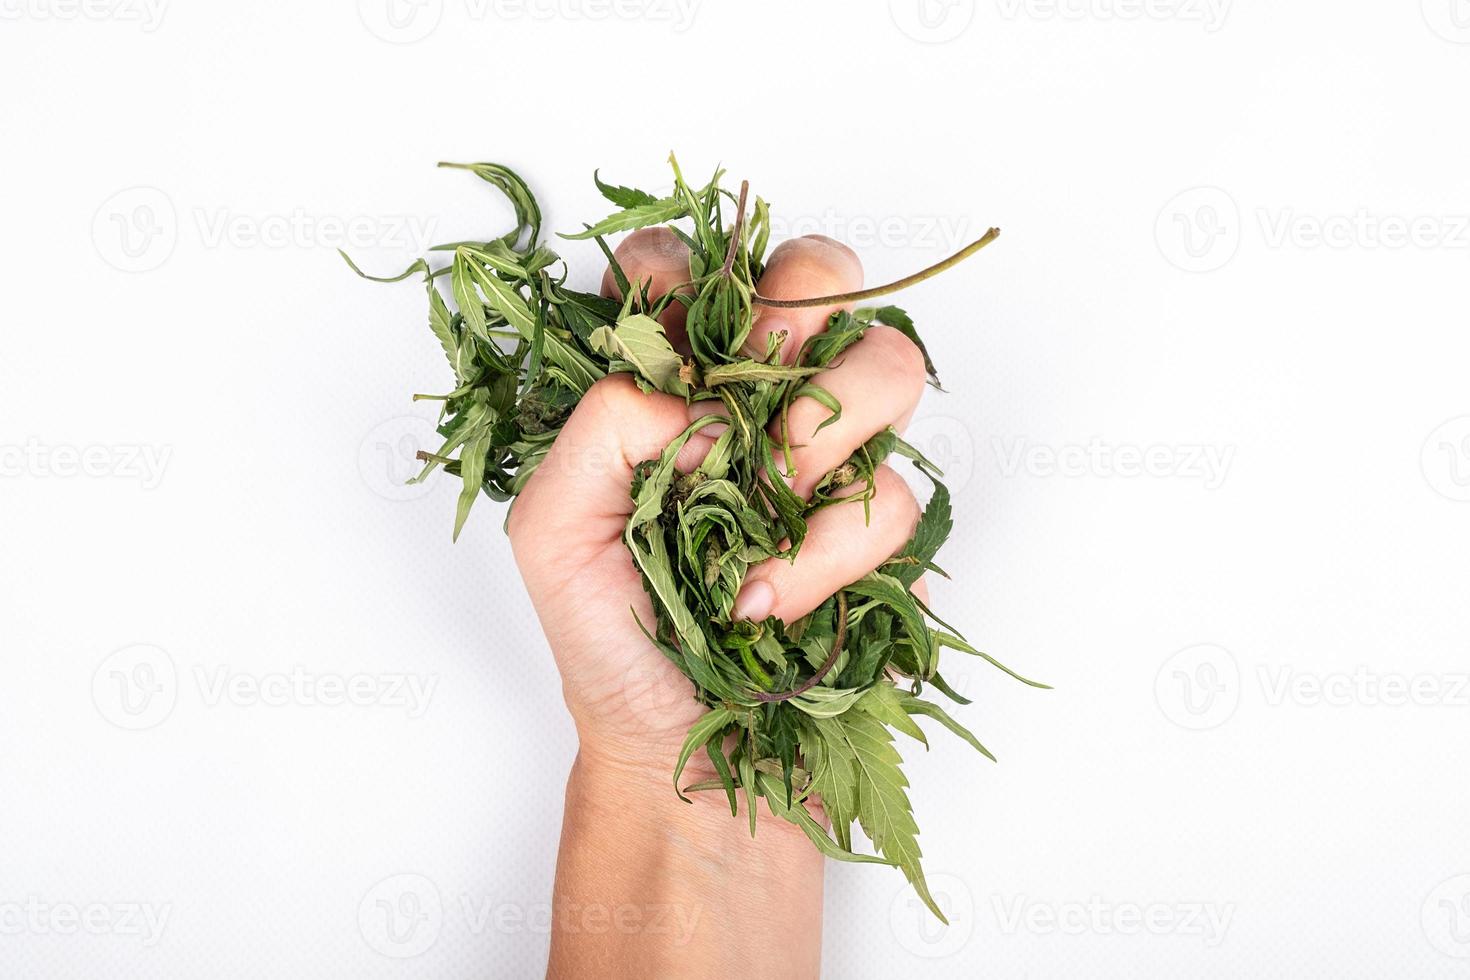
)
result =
(755, 601)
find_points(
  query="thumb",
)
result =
(578, 499)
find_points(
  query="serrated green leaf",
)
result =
(709, 725)
(797, 814)
(640, 340)
(934, 528)
(883, 803)
(955, 643)
(639, 216)
(918, 706)
(623, 197)
(472, 472)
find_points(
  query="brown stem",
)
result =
(735, 232)
(827, 664)
(865, 294)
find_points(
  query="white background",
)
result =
(1232, 232)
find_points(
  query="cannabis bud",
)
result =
(796, 710)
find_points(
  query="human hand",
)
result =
(631, 706)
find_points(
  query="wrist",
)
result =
(634, 784)
(687, 888)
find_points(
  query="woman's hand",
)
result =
(627, 839)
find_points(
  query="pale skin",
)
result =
(646, 885)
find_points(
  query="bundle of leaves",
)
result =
(797, 711)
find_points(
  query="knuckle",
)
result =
(899, 354)
(818, 257)
(651, 249)
(896, 499)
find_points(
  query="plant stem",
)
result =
(736, 231)
(864, 294)
(827, 664)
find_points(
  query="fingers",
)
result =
(578, 497)
(839, 549)
(802, 268)
(660, 258)
(878, 382)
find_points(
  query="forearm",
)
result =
(650, 886)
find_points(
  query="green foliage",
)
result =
(797, 712)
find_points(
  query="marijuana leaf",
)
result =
(795, 711)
